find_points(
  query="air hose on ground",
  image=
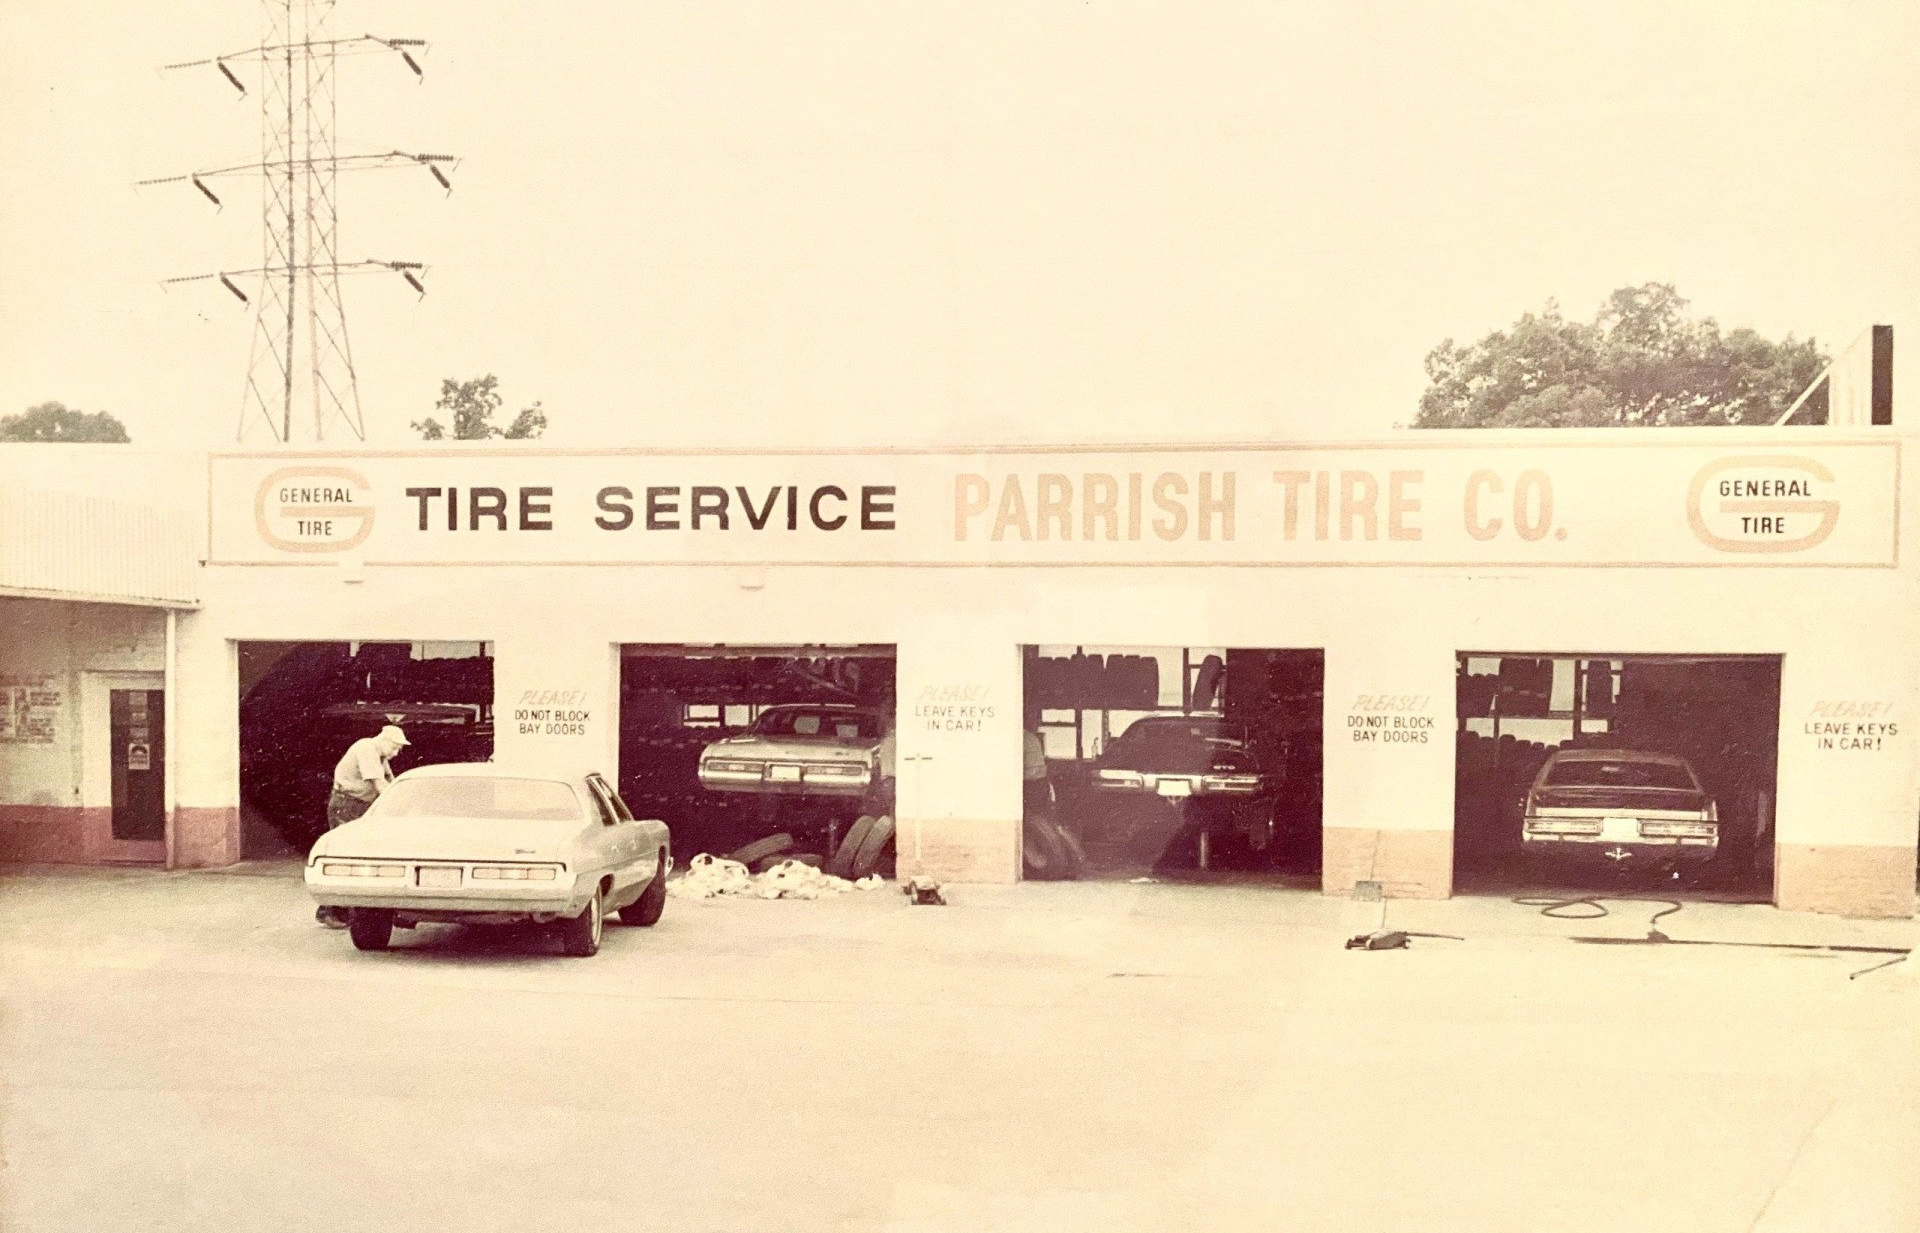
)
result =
(1594, 909)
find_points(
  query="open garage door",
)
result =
(303, 703)
(1592, 773)
(763, 752)
(1172, 761)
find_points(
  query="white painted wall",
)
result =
(71, 645)
(960, 741)
(1389, 729)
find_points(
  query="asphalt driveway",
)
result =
(189, 1052)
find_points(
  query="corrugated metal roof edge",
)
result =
(87, 597)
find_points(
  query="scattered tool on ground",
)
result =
(920, 893)
(1393, 939)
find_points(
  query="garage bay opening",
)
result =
(764, 753)
(303, 703)
(1596, 773)
(1197, 762)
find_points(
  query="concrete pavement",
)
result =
(189, 1052)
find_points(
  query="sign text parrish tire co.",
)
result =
(1587, 504)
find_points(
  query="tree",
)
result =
(473, 405)
(1640, 361)
(52, 421)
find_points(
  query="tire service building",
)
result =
(1442, 662)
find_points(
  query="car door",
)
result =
(621, 839)
(649, 840)
(604, 841)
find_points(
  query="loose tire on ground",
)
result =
(580, 935)
(805, 858)
(652, 902)
(872, 845)
(370, 928)
(841, 863)
(759, 849)
(1043, 855)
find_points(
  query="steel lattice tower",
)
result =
(301, 385)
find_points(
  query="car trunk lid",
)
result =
(1616, 800)
(449, 839)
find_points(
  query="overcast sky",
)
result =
(710, 221)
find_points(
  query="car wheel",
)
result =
(1692, 876)
(580, 935)
(370, 928)
(652, 901)
(1263, 828)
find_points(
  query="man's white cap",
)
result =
(393, 733)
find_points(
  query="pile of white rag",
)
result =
(709, 876)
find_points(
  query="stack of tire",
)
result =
(864, 850)
(1049, 852)
(1096, 682)
(862, 853)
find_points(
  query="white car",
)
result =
(819, 749)
(471, 842)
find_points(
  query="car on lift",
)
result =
(799, 749)
(1622, 807)
(1207, 765)
(476, 843)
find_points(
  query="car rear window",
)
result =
(840, 725)
(1621, 773)
(480, 796)
(1178, 734)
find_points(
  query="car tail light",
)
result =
(1563, 826)
(514, 873)
(738, 768)
(1679, 830)
(361, 869)
(1120, 779)
(1231, 783)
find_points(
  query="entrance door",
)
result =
(138, 748)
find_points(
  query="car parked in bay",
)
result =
(1626, 808)
(799, 749)
(1207, 766)
(476, 843)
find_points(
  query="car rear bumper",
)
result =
(805, 785)
(1594, 848)
(1178, 787)
(550, 899)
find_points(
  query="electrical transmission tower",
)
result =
(301, 385)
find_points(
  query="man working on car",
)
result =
(363, 772)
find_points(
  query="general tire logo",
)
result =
(313, 509)
(1762, 503)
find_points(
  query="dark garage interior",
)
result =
(1172, 762)
(303, 703)
(679, 701)
(1717, 714)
